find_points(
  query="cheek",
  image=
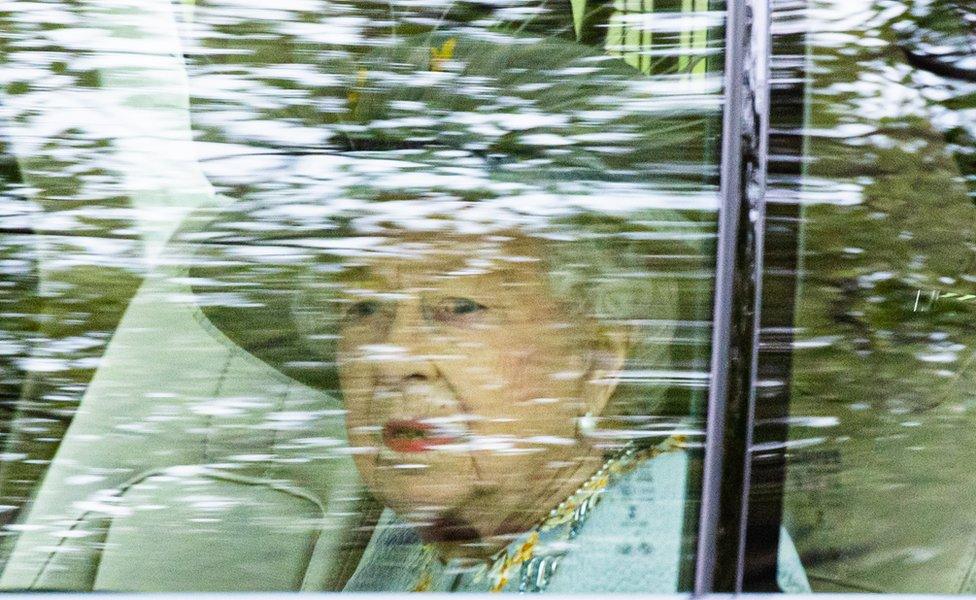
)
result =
(521, 386)
(356, 395)
(367, 470)
(536, 369)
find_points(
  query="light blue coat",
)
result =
(630, 543)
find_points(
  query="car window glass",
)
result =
(871, 227)
(364, 296)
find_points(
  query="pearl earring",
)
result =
(586, 424)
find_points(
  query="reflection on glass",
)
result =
(418, 294)
(881, 401)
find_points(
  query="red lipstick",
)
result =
(412, 436)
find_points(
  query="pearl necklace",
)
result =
(535, 571)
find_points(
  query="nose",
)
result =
(409, 360)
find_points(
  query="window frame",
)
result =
(767, 66)
(720, 562)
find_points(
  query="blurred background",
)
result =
(122, 120)
(881, 393)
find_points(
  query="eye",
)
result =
(464, 306)
(456, 310)
(363, 309)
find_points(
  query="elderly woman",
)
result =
(473, 392)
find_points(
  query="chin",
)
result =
(423, 498)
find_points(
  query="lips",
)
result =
(413, 436)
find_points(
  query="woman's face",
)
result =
(463, 378)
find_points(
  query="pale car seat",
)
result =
(190, 465)
(104, 175)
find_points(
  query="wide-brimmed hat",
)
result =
(461, 131)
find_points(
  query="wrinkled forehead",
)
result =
(410, 258)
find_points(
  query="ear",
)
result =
(609, 353)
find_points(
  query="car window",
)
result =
(363, 296)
